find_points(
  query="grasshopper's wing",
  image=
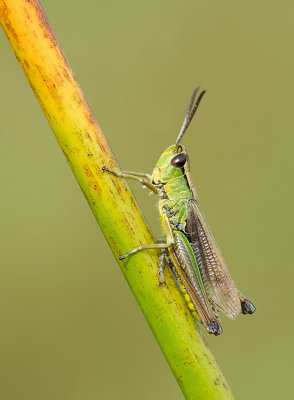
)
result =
(217, 280)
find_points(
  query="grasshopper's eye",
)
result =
(179, 160)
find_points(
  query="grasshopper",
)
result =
(190, 249)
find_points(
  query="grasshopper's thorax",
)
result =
(172, 175)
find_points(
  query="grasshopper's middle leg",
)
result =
(162, 246)
(169, 242)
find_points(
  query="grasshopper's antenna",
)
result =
(190, 114)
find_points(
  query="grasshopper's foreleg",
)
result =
(144, 179)
(138, 174)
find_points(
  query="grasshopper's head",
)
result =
(174, 162)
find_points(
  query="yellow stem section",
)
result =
(113, 205)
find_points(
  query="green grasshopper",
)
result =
(190, 248)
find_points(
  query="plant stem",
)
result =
(113, 205)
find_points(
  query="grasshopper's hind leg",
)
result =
(162, 256)
(211, 323)
(246, 305)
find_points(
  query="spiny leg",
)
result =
(164, 257)
(160, 266)
(212, 324)
(144, 179)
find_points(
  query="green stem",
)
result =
(113, 205)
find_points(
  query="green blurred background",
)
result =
(70, 327)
